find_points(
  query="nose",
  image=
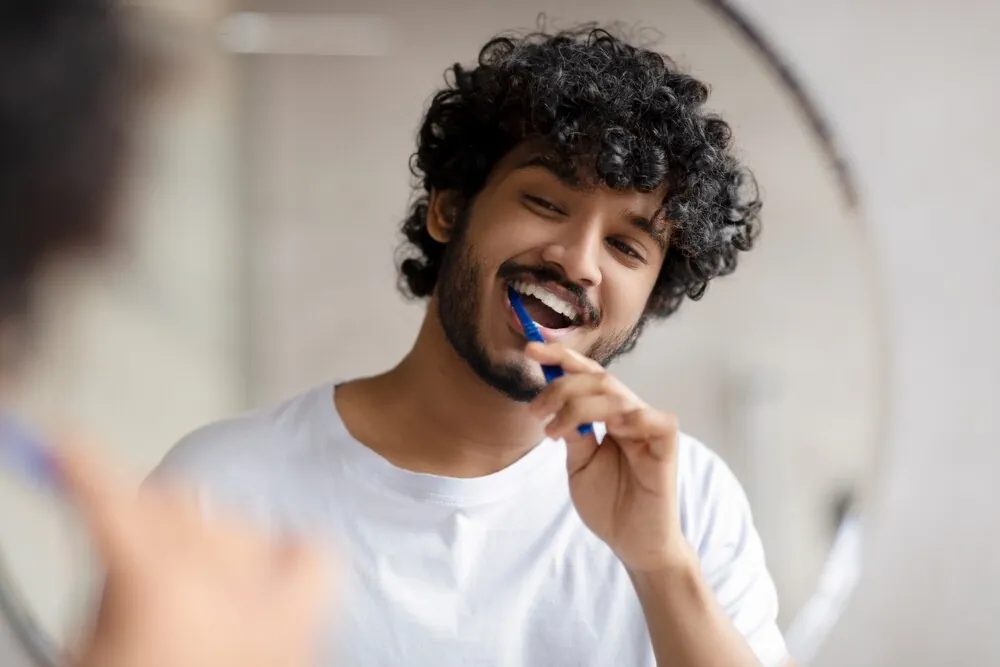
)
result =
(577, 253)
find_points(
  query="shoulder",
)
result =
(712, 500)
(247, 448)
(715, 514)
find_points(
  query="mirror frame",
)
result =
(831, 147)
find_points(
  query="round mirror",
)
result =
(779, 368)
(260, 262)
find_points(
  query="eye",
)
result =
(626, 249)
(539, 203)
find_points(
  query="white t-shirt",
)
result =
(497, 570)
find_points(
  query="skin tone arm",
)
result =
(686, 622)
(181, 591)
(625, 491)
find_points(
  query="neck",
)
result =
(455, 424)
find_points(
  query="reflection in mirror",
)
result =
(260, 262)
(778, 368)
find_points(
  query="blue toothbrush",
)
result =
(25, 454)
(532, 333)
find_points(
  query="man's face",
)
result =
(584, 259)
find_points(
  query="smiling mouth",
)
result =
(547, 309)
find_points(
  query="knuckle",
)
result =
(557, 389)
(670, 422)
(573, 408)
(606, 382)
(639, 417)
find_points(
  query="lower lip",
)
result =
(548, 334)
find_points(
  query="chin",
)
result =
(509, 372)
(515, 381)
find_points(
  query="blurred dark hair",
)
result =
(624, 116)
(67, 87)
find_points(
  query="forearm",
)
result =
(687, 625)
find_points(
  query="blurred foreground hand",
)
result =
(185, 591)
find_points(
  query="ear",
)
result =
(442, 215)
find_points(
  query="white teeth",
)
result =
(548, 298)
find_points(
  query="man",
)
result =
(480, 527)
(177, 589)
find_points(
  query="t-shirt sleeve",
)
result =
(220, 464)
(719, 524)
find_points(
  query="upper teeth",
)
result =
(554, 302)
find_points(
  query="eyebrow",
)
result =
(565, 173)
(660, 233)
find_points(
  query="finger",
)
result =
(580, 450)
(585, 410)
(657, 429)
(555, 395)
(104, 500)
(557, 354)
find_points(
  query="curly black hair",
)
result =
(622, 116)
(66, 83)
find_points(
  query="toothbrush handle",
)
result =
(22, 453)
(532, 333)
(554, 373)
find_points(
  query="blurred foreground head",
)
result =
(67, 84)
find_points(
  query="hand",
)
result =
(181, 591)
(624, 489)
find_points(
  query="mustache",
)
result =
(511, 271)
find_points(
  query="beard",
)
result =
(459, 290)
